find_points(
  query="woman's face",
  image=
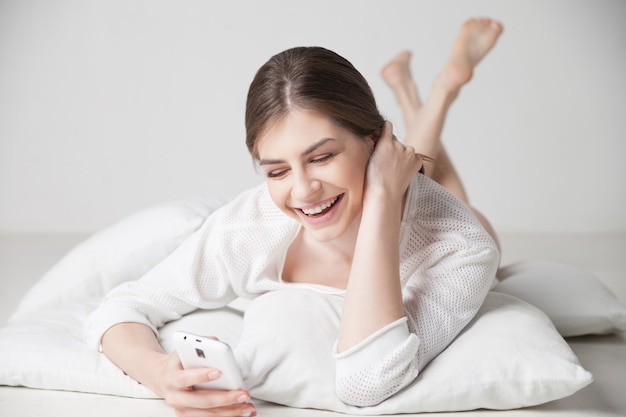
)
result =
(315, 171)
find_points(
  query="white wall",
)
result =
(107, 107)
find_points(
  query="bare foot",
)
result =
(476, 38)
(397, 71)
(397, 75)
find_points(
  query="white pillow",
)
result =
(510, 356)
(575, 300)
(121, 252)
(45, 349)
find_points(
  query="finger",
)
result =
(204, 399)
(238, 410)
(386, 132)
(184, 378)
(218, 398)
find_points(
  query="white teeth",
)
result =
(319, 209)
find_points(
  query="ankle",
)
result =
(444, 91)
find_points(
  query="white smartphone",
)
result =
(203, 352)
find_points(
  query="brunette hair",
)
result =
(312, 79)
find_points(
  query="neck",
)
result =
(343, 246)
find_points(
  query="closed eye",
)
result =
(280, 173)
(277, 174)
(322, 158)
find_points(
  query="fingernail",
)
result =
(214, 375)
(247, 412)
(243, 399)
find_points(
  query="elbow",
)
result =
(377, 371)
(374, 389)
(355, 397)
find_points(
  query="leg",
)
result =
(425, 121)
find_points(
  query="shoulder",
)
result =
(432, 210)
(428, 199)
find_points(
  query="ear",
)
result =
(372, 139)
(369, 143)
(375, 135)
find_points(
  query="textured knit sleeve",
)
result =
(234, 252)
(447, 265)
(191, 277)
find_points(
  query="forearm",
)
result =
(373, 297)
(134, 348)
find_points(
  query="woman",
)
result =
(340, 192)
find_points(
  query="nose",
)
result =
(304, 186)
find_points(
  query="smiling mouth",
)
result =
(321, 209)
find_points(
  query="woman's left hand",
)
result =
(391, 166)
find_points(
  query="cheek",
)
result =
(278, 193)
(354, 180)
(356, 175)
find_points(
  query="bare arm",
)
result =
(374, 298)
(135, 349)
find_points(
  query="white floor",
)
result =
(24, 258)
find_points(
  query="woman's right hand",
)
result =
(134, 348)
(176, 388)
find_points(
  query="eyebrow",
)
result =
(307, 151)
